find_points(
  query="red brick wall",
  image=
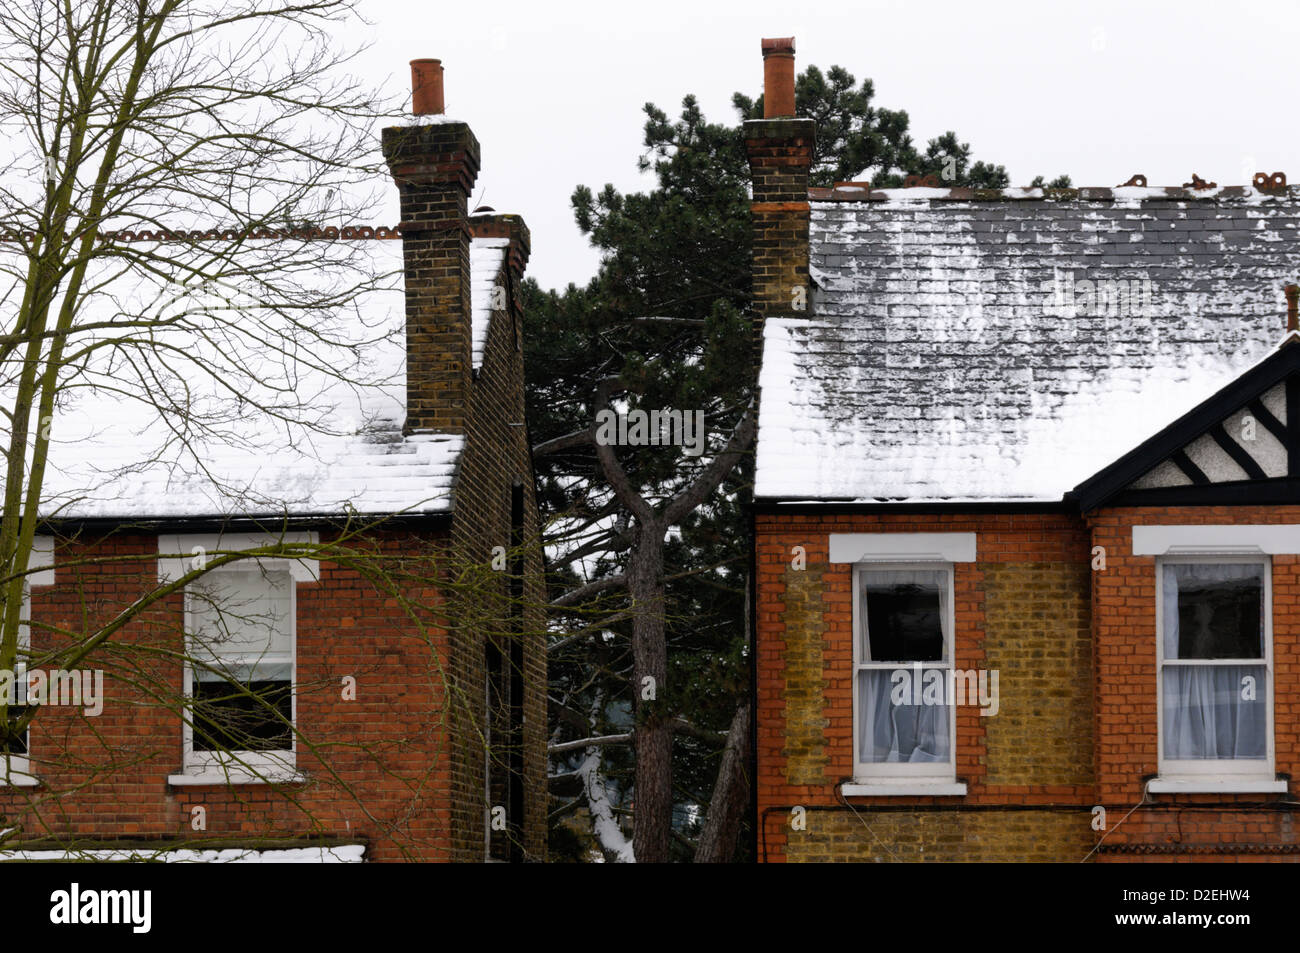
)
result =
(810, 778)
(1215, 827)
(377, 766)
(1077, 729)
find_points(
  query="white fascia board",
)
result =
(1271, 540)
(42, 560)
(176, 552)
(902, 547)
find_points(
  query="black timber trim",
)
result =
(1238, 453)
(1265, 416)
(768, 506)
(1182, 461)
(1292, 441)
(65, 528)
(1277, 491)
(1111, 481)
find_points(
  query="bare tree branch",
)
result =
(589, 743)
(702, 487)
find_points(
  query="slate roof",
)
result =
(329, 443)
(955, 350)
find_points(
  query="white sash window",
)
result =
(1216, 680)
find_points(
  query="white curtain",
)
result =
(903, 733)
(1210, 711)
(900, 733)
(1206, 716)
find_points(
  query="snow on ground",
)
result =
(347, 854)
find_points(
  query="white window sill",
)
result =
(217, 776)
(907, 789)
(1215, 786)
(17, 780)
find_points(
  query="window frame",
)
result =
(269, 764)
(21, 764)
(1211, 769)
(885, 772)
(16, 770)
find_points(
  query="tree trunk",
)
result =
(653, 816)
(717, 844)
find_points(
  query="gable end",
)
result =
(1242, 445)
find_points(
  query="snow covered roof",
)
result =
(1007, 350)
(486, 257)
(253, 406)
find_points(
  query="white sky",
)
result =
(1097, 90)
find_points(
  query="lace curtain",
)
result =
(1214, 711)
(906, 732)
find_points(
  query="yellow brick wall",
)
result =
(1037, 636)
(946, 836)
(805, 696)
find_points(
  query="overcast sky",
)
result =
(1096, 90)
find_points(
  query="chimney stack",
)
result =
(780, 149)
(435, 166)
(1292, 293)
(778, 78)
(510, 227)
(426, 88)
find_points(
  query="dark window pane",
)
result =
(242, 717)
(14, 742)
(904, 621)
(1220, 618)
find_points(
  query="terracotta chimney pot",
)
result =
(778, 77)
(426, 87)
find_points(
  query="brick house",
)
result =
(1026, 518)
(405, 731)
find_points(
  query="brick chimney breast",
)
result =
(435, 166)
(780, 152)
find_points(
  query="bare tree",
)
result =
(177, 172)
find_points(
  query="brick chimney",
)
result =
(434, 164)
(511, 227)
(780, 149)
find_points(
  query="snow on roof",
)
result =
(250, 404)
(486, 256)
(999, 351)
